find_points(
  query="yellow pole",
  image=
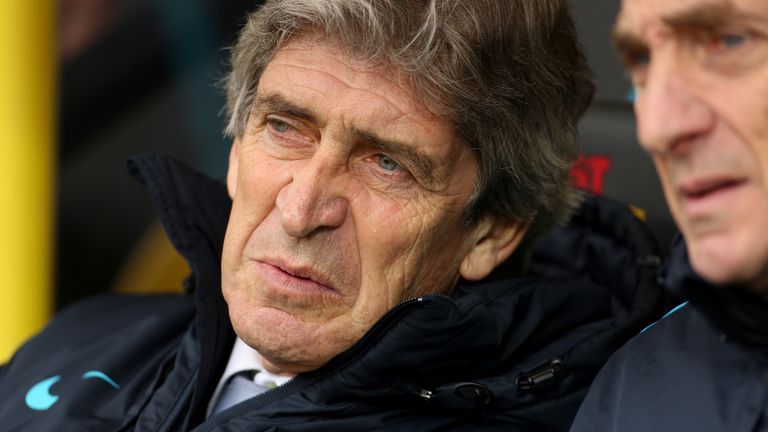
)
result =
(26, 165)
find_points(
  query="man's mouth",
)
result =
(302, 278)
(701, 189)
(700, 194)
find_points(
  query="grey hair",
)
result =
(510, 74)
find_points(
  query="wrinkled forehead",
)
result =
(637, 17)
(356, 70)
(413, 76)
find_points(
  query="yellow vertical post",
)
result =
(27, 84)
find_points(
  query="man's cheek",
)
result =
(236, 240)
(404, 237)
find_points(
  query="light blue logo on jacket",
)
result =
(102, 376)
(40, 398)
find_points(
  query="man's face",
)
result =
(347, 198)
(700, 68)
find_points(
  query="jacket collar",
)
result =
(194, 211)
(740, 314)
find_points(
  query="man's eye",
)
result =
(725, 42)
(638, 58)
(732, 40)
(387, 163)
(279, 125)
(634, 57)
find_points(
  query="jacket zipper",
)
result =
(299, 381)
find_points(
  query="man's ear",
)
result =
(496, 239)
(234, 160)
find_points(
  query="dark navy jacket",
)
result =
(507, 354)
(702, 368)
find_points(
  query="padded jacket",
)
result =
(506, 354)
(703, 368)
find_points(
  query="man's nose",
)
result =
(312, 200)
(669, 109)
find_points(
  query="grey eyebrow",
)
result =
(277, 103)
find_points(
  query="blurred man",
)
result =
(383, 152)
(700, 68)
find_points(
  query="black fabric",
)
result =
(513, 354)
(128, 338)
(194, 211)
(740, 314)
(702, 368)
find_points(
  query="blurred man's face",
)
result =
(701, 72)
(347, 198)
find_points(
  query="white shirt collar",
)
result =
(242, 358)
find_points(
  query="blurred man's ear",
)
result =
(496, 239)
(234, 159)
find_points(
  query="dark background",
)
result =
(142, 75)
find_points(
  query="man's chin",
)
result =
(288, 343)
(722, 264)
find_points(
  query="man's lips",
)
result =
(300, 277)
(702, 188)
(705, 195)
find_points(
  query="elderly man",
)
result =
(386, 155)
(701, 72)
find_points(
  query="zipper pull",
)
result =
(543, 377)
(463, 396)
